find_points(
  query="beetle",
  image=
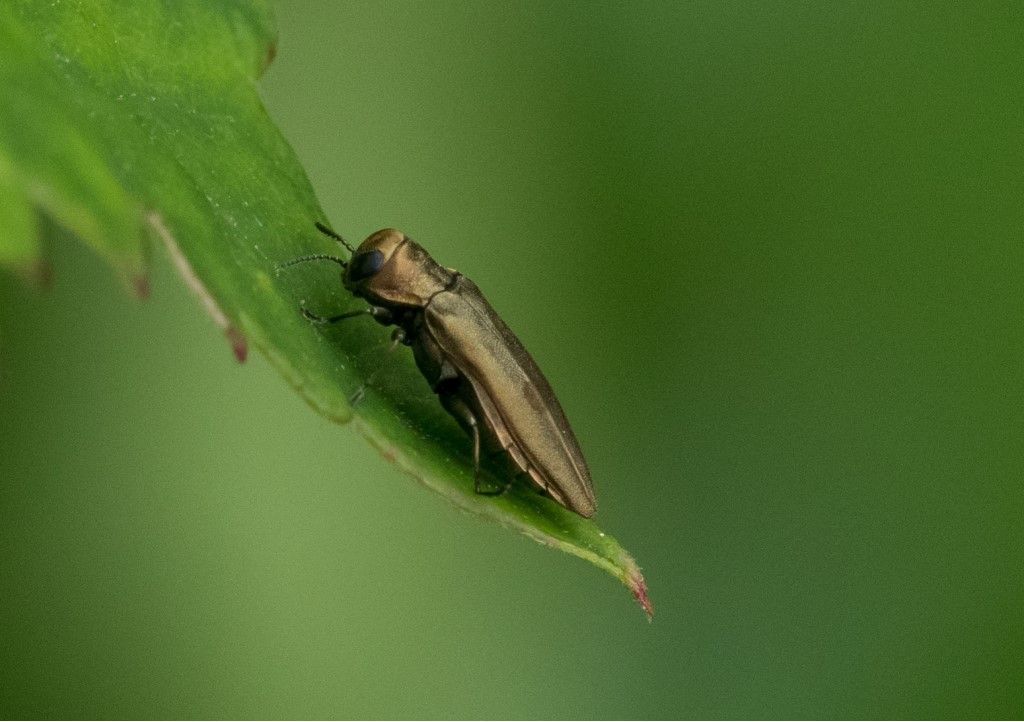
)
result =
(480, 371)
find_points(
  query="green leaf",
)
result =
(122, 121)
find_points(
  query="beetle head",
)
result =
(389, 268)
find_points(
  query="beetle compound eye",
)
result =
(365, 265)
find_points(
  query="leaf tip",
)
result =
(238, 343)
(637, 585)
(234, 336)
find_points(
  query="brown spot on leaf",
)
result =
(140, 284)
(38, 273)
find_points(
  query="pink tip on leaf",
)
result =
(638, 586)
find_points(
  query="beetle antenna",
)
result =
(336, 236)
(314, 257)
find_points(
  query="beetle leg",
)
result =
(379, 313)
(397, 339)
(467, 419)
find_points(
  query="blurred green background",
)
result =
(770, 258)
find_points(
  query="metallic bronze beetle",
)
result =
(478, 368)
